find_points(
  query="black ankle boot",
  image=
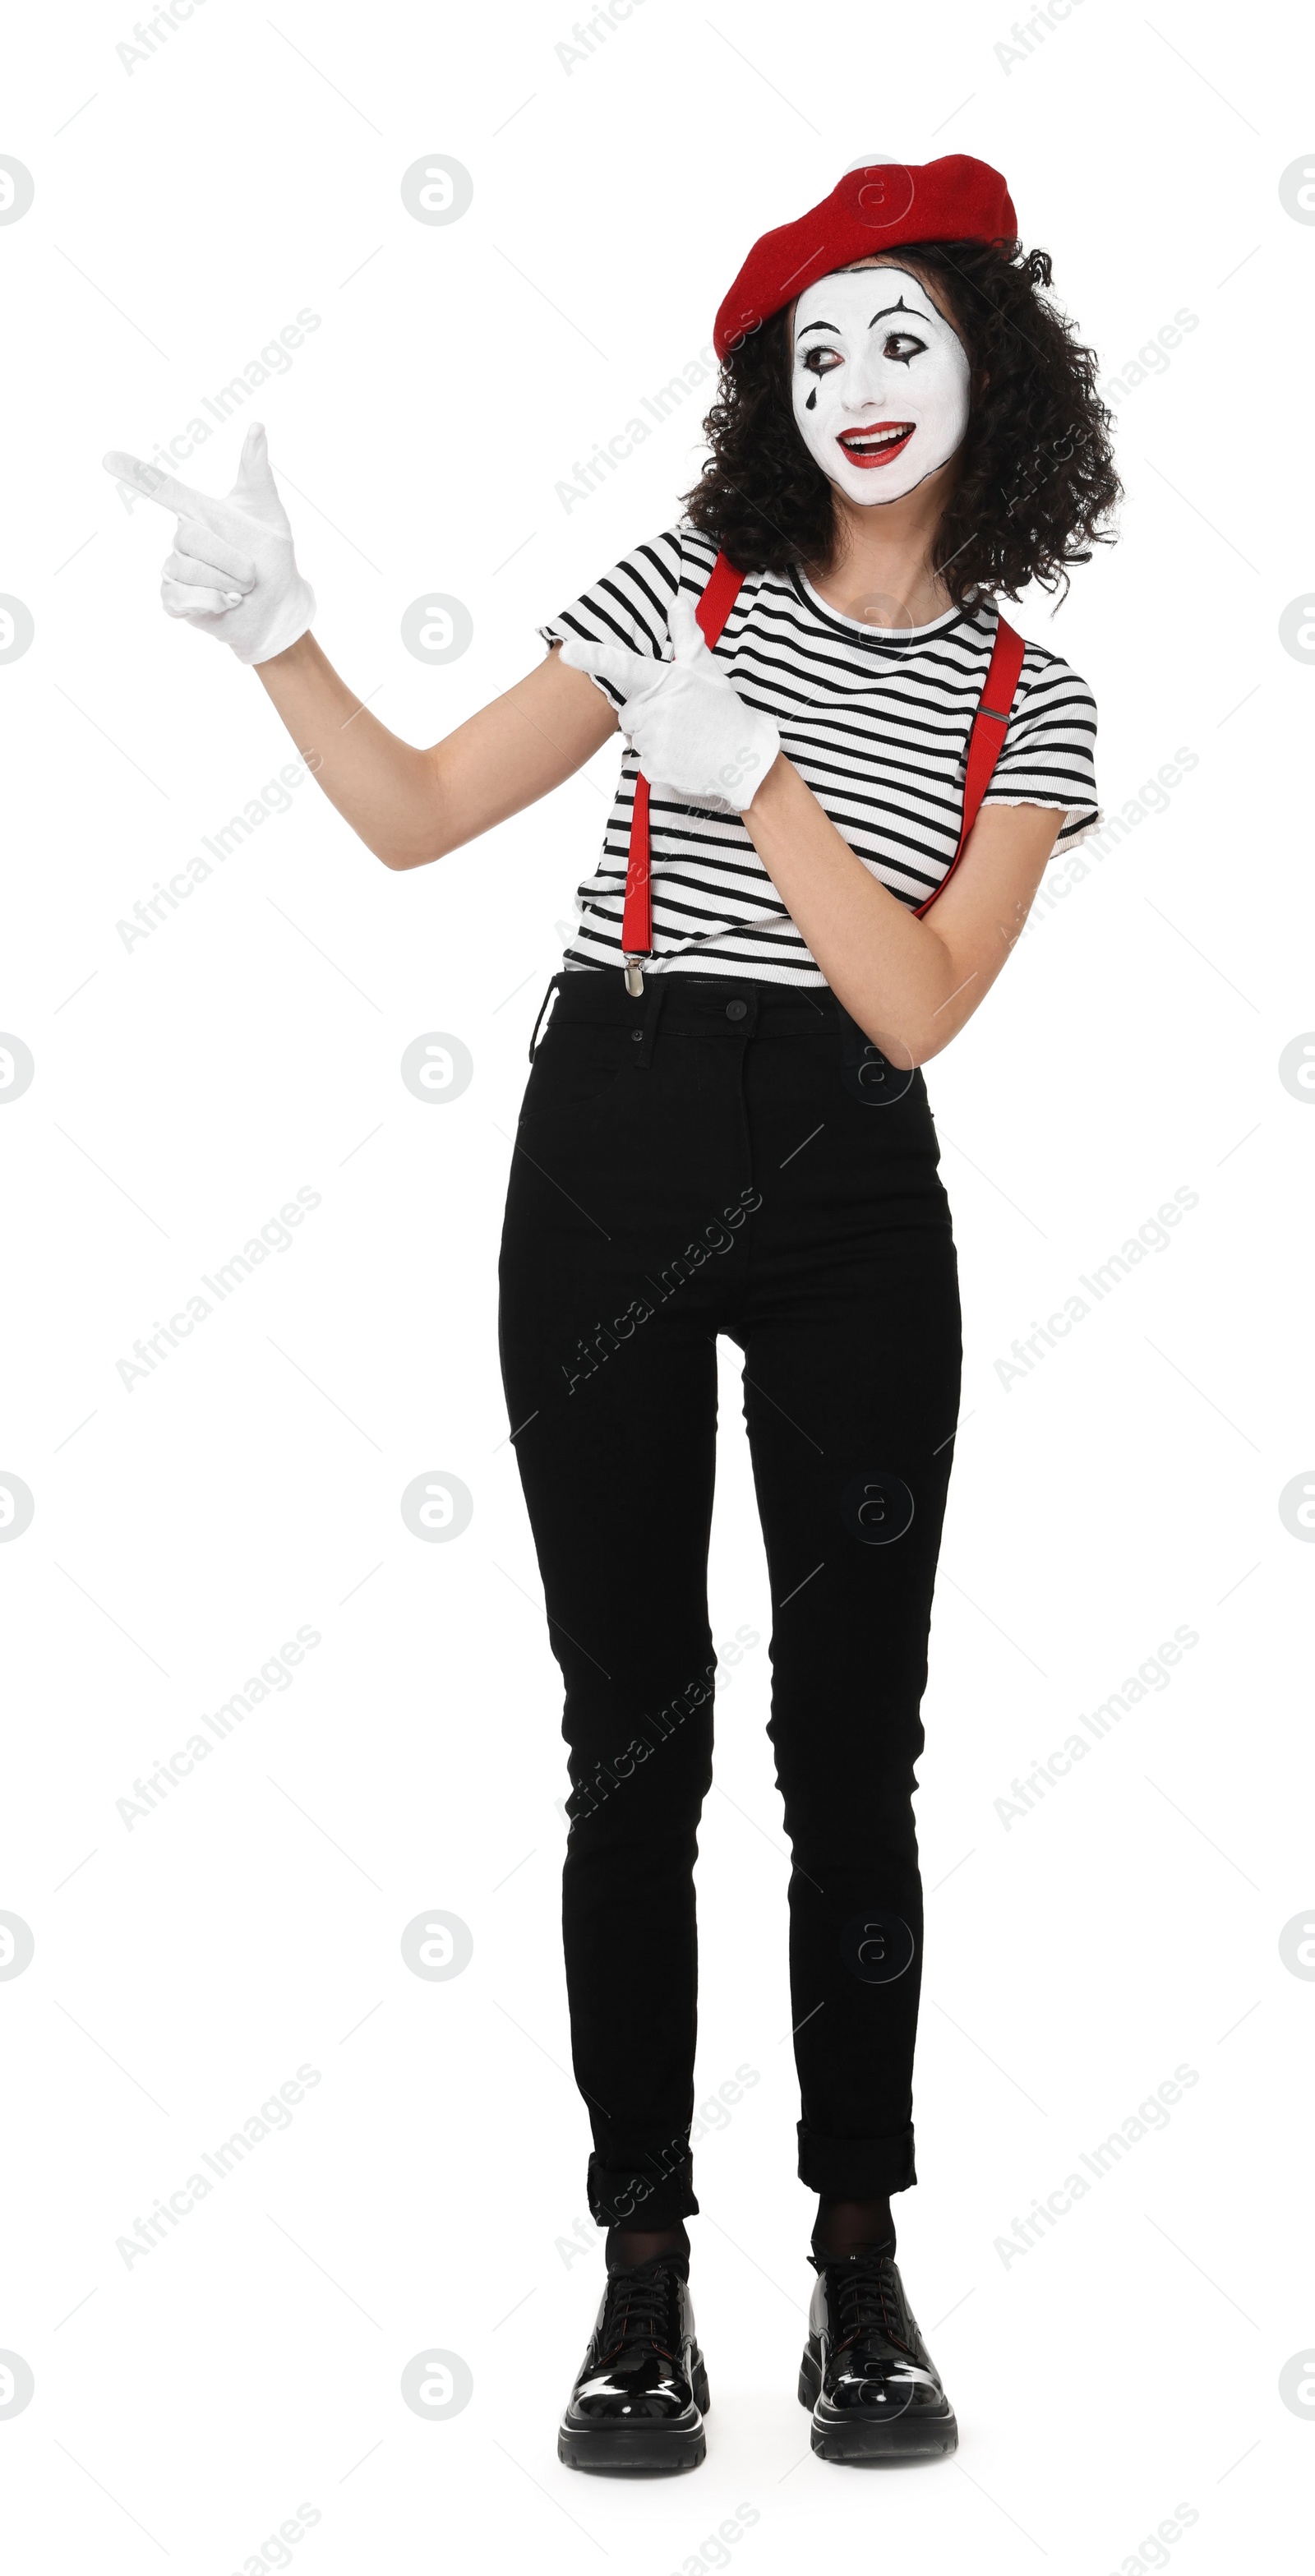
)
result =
(867, 2376)
(642, 2392)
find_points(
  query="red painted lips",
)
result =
(877, 443)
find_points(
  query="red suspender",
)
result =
(986, 741)
(714, 608)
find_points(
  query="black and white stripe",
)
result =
(877, 723)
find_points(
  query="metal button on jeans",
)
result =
(736, 1010)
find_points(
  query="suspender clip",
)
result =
(634, 966)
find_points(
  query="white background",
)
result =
(424, 2197)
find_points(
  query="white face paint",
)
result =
(880, 382)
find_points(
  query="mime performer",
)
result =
(842, 776)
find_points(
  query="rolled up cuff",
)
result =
(856, 2168)
(633, 2198)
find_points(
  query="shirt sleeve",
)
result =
(628, 605)
(1049, 752)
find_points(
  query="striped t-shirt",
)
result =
(877, 724)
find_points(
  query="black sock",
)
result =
(844, 2227)
(627, 2246)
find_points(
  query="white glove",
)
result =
(692, 731)
(232, 572)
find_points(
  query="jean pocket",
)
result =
(576, 1064)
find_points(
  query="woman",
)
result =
(843, 781)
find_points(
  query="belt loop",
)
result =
(534, 1035)
(655, 994)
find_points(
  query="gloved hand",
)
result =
(692, 731)
(232, 572)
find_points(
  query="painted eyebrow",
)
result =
(910, 310)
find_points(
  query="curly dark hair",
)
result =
(1036, 474)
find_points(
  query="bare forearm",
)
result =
(911, 985)
(409, 806)
(385, 788)
(892, 973)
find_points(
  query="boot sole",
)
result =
(640, 2450)
(868, 2445)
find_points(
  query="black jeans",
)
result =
(732, 1157)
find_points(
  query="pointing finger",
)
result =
(687, 636)
(622, 670)
(148, 479)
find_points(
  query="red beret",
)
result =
(875, 206)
